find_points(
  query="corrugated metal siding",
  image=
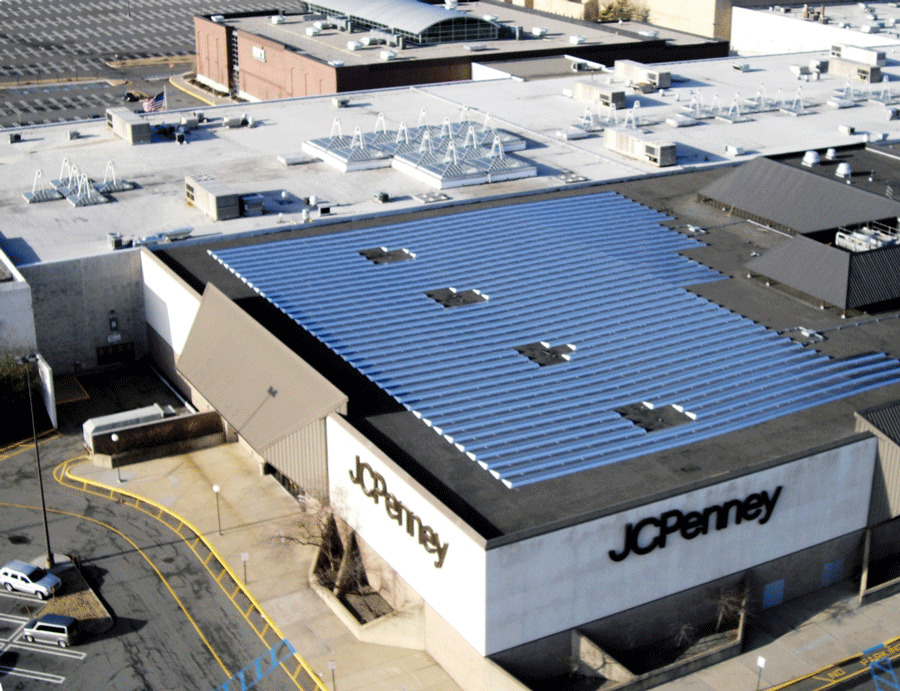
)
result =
(885, 503)
(874, 276)
(302, 456)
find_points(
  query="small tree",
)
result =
(14, 398)
(624, 10)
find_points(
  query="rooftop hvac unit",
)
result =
(354, 45)
(490, 17)
(811, 158)
(276, 19)
(312, 31)
(648, 33)
(843, 170)
(217, 18)
(387, 55)
(576, 40)
(538, 31)
(450, 4)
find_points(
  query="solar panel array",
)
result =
(598, 272)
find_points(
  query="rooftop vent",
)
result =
(652, 418)
(382, 255)
(831, 154)
(843, 170)
(811, 158)
(543, 354)
(450, 297)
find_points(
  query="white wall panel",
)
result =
(170, 303)
(456, 589)
(559, 580)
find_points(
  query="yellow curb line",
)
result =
(152, 565)
(112, 491)
(189, 93)
(26, 444)
(144, 62)
(833, 665)
(54, 80)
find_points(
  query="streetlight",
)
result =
(216, 489)
(761, 663)
(114, 438)
(25, 360)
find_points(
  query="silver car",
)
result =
(28, 578)
(57, 629)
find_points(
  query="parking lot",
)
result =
(31, 662)
(69, 61)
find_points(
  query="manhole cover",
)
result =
(18, 539)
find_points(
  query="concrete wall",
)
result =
(757, 33)
(211, 41)
(170, 306)
(17, 332)
(710, 18)
(547, 584)
(455, 586)
(72, 304)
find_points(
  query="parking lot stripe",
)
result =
(32, 674)
(48, 650)
(146, 558)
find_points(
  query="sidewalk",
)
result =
(258, 519)
(801, 637)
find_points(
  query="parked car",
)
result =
(52, 628)
(28, 578)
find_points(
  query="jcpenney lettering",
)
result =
(646, 535)
(398, 511)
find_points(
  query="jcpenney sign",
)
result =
(653, 532)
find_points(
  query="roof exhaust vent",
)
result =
(843, 170)
(831, 154)
(811, 158)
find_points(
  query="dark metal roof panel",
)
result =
(886, 418)
(874, 276)
(809, 266)
(797, 199)
(262, 388)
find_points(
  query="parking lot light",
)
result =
(215, 489)
(26, 360)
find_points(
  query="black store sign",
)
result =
(653, 532)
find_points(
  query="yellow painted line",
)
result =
(147, 559)
(65, 472)
(190, 93)
(26, 444)
(54, 80)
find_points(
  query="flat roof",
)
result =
(330, 45)
(503, 514)
(247, 158)
(578, 311)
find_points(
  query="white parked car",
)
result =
(28, 578)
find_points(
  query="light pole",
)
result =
(114, 438)
(26, 360)
(218, 514)
(761, 663)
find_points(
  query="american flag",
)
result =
(157, 103)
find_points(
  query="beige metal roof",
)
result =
(262, 388)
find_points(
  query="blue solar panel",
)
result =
(597, 271)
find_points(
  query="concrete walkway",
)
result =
(799, 638)
(259, 521)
